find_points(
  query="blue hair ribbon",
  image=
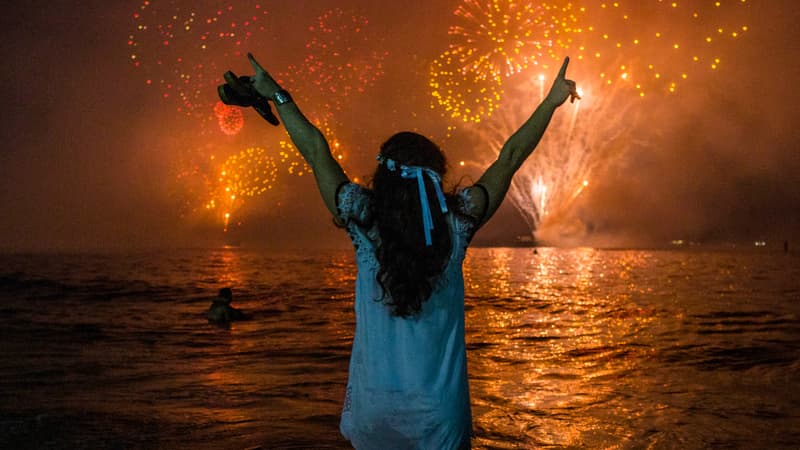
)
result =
(419, 172)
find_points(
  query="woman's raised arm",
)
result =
(521, 144)
(309, 141)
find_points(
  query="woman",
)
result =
(407, 384)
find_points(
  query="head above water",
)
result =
(226, 293)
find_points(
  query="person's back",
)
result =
(407, 383)
(408, 378)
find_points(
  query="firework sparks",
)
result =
(615, 41)
(336, 65)
(247, 174)
(181, 51)
(620, 56)
(574, 149)
(468, 97)
(335, 68)
(504, 37)
(655, 45)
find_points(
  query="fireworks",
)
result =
(193, 172)
(492, 42)
(181, 51)
(588, 136)
(656, 45)
(246, 174)
(229, 118)
(464, 96)
(497, 53)
(338, 61)
(622, 51)
(249, 173)
(504, 37)
(334, 54)
(290, 157)
(648, 45)
(296, 165)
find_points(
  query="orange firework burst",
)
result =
(248, 173)
(652, 45)
(504, 37)
(622, 51)
(464, 96)
(229, 118)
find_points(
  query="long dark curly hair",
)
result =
(409, 269)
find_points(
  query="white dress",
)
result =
(407, 386)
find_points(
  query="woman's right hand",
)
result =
(562, 88)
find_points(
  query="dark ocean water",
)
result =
(576, 348)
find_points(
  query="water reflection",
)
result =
(223, 400)
(229, 272)
(566, 348)
(339, 270)
(557, 349)
(500, 270)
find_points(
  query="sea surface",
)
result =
(567, 348)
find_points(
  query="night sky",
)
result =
(94, 157)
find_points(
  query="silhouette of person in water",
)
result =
(221, 310)
(408, 385)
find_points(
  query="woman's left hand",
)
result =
(262, 81)
(562, 87)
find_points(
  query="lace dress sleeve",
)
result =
(468, 217)
(467, 202)
(352, 203)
